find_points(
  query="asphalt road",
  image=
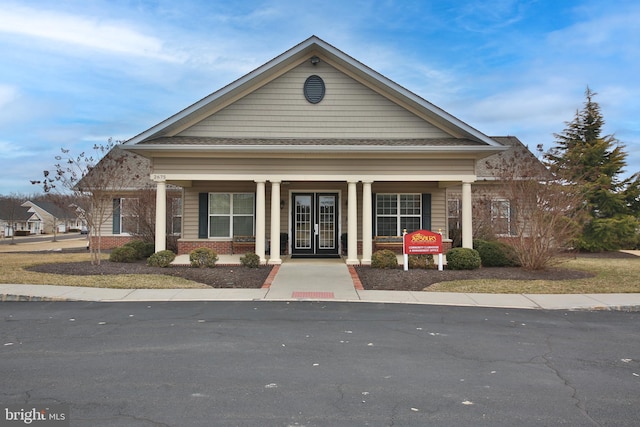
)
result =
(320, 364)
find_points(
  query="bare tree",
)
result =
(144, 209)
(95, 180)
(548, 212)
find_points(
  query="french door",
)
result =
(315, 224)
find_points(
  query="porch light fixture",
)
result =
(281, 204)
(315, 60)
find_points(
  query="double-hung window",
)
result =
(231, 214)
(501, 216)
(129, 215)
(175, 211)
(396, 212)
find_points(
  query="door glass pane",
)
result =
(326, 222)
(303, 223)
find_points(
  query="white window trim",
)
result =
(230, 215)
(398, 215)
(494, 217)
(122, 216)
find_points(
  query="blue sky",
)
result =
(76, 72)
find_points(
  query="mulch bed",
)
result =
(378, 279)
(218, 277)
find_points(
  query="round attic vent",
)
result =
(314, 89)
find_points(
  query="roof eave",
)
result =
(149, 150)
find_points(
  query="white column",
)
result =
(275, 223)
(367, 228)
(261, 232)
(352, 225)
(161, 216)
(467, 214)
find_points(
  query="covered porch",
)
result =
(315, 216)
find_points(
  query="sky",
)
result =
(74, 73)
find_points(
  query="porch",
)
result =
(276, 218)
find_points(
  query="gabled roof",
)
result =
(51, 208)
(11, 210)
(489, 168)
(313, 46)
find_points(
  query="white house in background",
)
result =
(313, 154)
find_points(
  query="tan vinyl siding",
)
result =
(305, 167)
(348, 110)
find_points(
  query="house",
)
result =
(14, 219)
(312, 154)
(49, 217)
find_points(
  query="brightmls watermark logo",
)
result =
(35, 415)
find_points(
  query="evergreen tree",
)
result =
(584, 156)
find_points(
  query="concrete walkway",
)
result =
(313, 279)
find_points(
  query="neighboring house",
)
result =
(311, 146)
(15, 219)
(48, 217)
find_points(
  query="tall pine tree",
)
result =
(584, 156)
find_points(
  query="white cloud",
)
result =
(8, 94)
(10, 150)
(86, 31)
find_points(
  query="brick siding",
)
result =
(110, 242)
(185, 247)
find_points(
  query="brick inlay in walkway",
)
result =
(322, 295)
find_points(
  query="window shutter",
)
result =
(426, 211)
(116, 216)
(203, 215)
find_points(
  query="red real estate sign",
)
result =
(422, 242)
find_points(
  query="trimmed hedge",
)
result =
(422, 261)
(496, 254)
(123, 254)
(250, 260)
(463, 259)
(203, 257)
(161, 259)
(384, 258)
(143, 249)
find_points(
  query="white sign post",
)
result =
(405, 255)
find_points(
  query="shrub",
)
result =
(463, 259)
(250, 260)
(384, 258)
(496, 254)
(143, 249)
(608, 234)
(161, 259)
(203, 257)
(123, 254)
(421, 261)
